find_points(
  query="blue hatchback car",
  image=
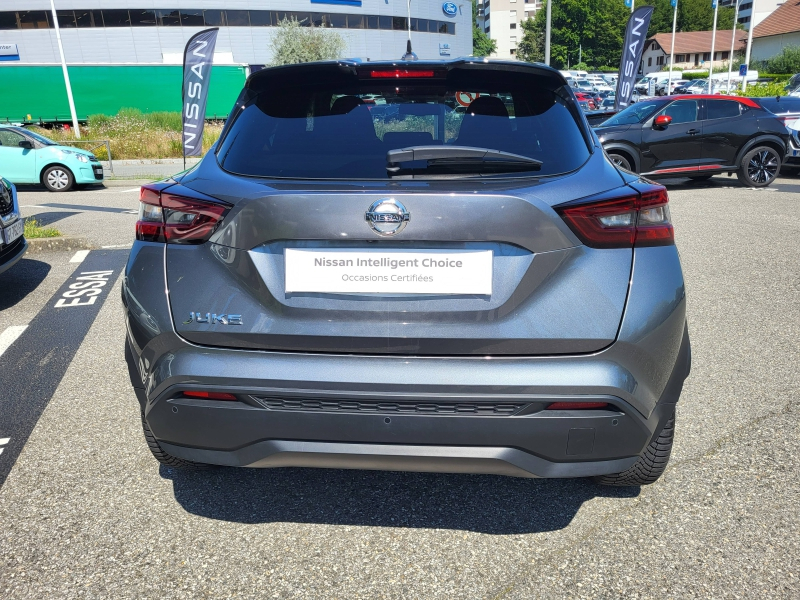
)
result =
(27, 157)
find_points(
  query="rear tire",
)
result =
(165, 458)
(620, 161)
(58, 179)
(650, 465)
(759, 167)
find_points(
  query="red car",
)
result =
(581, 96)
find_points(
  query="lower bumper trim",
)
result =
(387, 457)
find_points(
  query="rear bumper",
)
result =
(12, 253)
(390, 428)
(393, 457)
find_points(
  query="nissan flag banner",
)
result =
(197, 61)
(635, 36)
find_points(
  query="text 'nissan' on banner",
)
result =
(635, 36)
(198, 58)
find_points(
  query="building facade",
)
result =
(779, 30)
(752, 12)
(692, 50)
(502, 22)
(156, 31)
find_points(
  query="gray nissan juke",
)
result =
(421, 266)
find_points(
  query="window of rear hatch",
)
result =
(342, 127)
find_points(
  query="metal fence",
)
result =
(98, 144)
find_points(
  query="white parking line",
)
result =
(3, 442)
(9, 336)
(117, 246)
(116, 191)
(80, 255)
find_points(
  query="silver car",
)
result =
(12, 227)
(475, 291)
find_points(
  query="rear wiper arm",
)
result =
(461, 157)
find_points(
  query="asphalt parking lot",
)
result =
(85, 511)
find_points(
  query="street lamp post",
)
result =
(547, 34)
(66, 73)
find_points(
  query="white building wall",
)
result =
(767, 47)
(248, 45)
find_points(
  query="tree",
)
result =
(294, 42)
(531, 46)
(596, 27)
(482, 44)
(693, 15)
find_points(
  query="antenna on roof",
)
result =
(409, 55)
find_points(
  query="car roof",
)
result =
(746, 101)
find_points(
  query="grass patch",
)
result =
(136, 135)
(33, 230)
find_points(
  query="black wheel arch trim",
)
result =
(631, 151)
(761, 139)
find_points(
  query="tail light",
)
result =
(576, 405)
(175, 219)
(628, 219)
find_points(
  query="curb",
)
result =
(109, 183)
(64, 243)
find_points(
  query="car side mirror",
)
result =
(27, 144)
(662, 121)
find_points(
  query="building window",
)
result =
(66, 19)
(142, 18)
(513, 50)
(513, 13)
(706, 55)
(659, 60)
(649, 61)
(168, 18)
(513, 25)
(40, 19)
(725, 55)
(33, 19)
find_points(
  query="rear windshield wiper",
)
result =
(459, 159)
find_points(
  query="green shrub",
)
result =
(787, 62)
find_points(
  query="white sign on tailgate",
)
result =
(344, 271)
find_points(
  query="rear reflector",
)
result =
(209, 395)
(165, 217)
(576, 405)
(400, 74)
(623, 221)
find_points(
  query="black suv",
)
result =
(697, 137)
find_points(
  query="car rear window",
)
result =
(342, 126)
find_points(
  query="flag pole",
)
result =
(733, 43)
(747, 53)
(672, 50)
(66, 73)
(713, 39)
